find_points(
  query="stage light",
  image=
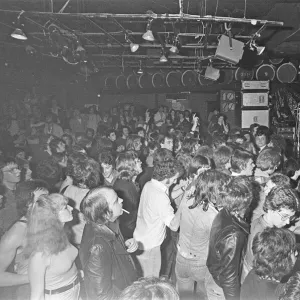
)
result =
(148, 35)
(18, 33)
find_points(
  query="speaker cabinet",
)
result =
(255, 100)
(255, 116)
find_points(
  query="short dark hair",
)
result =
(166, 169)
(272, 249)
(149, 289)
(54, 144)
(280, 179)
(281, 197)
(264, 130)
(107, 158)
(268, 158)
(291, 290)
(238, 194)
(162, 155)
(24, 194)
(222, 156)
(205, 150)
(49, 171)
(197, 162)
(239, 160)
(94, 206)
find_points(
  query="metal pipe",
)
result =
(184, 17)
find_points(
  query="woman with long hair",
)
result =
(128, 165)
(198, 213)
(52, 270)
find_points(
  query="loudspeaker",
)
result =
(212, 73)
(232, 55)
(255, 100)
(255, 116)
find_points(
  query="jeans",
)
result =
(189, 271)
(150, 262)
(214, 292)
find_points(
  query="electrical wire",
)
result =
(245, 9)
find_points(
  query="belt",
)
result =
(63, 288)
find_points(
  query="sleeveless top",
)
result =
(62, 270)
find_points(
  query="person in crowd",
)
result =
(198, 212)
(68, 140)
(159, 117)
(274, 256)
(90, 133)
(112, 135)
(267, 162)
(222, 158)
(13, 261)
(107, 162)
(221, 126)
(128, 166)
(50, 172)
(280, 206)
(107, 265)
(92, 118)
(155, 213)
(291, 168)
(78, 122)
(228, 240)
(99, 145)
(276, 179)
(10, 177)
(166, 142)
(84, 173)
(134, 143)
(51, 127)
(262, 137)
(121, 141)
(242, 163)
(150, 289)
(51, 269)
(291, 289)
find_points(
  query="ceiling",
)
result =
(106, 28)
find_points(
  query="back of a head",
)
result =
(268, 159)
(150, 289)
(162, 154)
(272, 252)
(281, 197)
(222, 156)
(239, 160)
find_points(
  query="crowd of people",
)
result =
(129, 204)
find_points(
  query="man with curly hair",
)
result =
(155, 213)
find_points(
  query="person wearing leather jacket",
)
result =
(107, 265)
(228, 240)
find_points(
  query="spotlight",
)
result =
(80, 52)
(133, 47)
(258, 49)
(148, 35)
(163, 59)
(18, 32)
(174, 48)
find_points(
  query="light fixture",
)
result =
(163, 58)
(140, 70)
(133, 47)
(259, 49)
(80, 52)
(18, 32)
(174, 48)
(148, 35)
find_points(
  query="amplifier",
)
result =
(255, 85)
(255, 116)
(233, 54)
(255, 99)
(281, 130)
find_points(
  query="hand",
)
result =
(195, 119)
(120, 148)
(131, 245)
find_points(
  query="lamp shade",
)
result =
(19, 34)
(148, 36)
(134, 47)
(163, 59)
(174, 49)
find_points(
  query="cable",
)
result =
(245, 9)
(217, 6)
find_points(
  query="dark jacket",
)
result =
(127, 191)
(227, 243)
(107, 266)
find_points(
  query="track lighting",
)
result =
(148, 35)
(174, 49)
(18, 32)
(163, 58)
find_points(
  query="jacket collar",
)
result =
(238, 221)
(108, 231)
